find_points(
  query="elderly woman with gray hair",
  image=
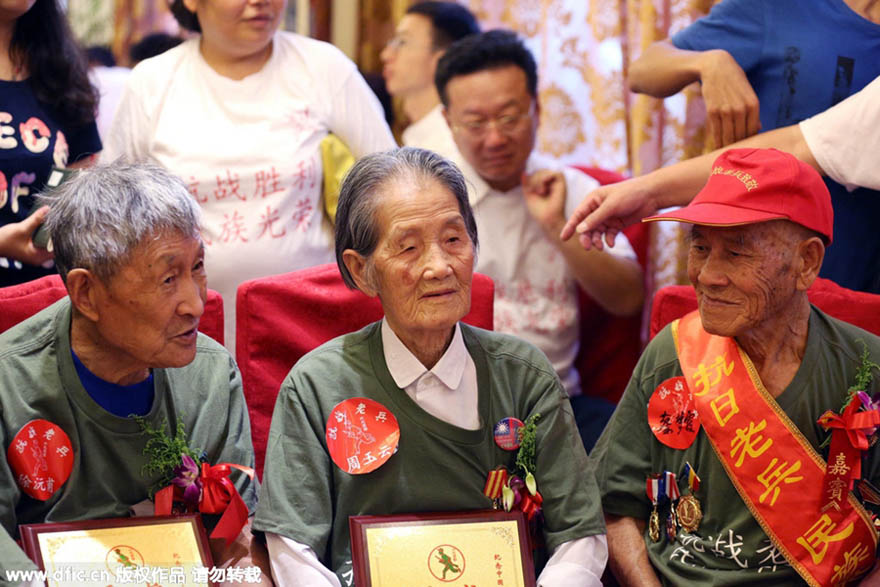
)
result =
(405, 233)
(82, 380)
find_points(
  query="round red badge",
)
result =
(507, 432)
(672, 413)
(361, 435)
(41, 458)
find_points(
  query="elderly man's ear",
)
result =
(358, 267)
(84, 289)
(810, 253)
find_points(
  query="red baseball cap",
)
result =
(756, 185)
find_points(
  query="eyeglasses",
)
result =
(506, 124)
(395, 43)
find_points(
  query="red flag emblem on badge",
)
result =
(361, 435)
(672, 413)
(41, 458)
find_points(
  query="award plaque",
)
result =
(135, 550)
(454, 548)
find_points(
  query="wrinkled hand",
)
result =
(608, 210)
(732, 108)
(15, 239)
(544, 192)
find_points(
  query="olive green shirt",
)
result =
(38, 381)
(729, 547)
(438, 466)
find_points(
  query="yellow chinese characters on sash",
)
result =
(776, 471)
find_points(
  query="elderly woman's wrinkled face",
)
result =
(149, 311)
(423, 264)
(743, 275)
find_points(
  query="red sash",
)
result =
(776, 471)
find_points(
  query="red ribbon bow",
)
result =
(857, 424)
(219, 495)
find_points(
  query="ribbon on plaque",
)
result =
(218, 496)
(743, 421)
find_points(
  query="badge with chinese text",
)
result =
(41, 458)
(507, 433)
(672, 414)
(362, 434)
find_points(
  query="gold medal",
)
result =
(654, 526)
(689, 513)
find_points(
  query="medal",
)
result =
(653, 490)
(673, 494)
(688, 509)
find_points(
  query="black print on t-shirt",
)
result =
(843, 76)
(789, 79)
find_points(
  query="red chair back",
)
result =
(282, 317)
(858, 308)
(609, 345)
(19, 302)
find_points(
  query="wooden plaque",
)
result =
(459, 549)
(100, 552)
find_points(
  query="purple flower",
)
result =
(187, 478)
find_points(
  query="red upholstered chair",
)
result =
(281, 318)
(858, 308)
(610, 345)
(18, 302)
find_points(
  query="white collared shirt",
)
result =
(536, 295)
(447, 391)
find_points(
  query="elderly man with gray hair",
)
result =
(85, 383)
(414, 413)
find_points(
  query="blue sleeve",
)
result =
(82, 141)
(737, 26)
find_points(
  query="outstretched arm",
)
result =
(732, 108)
(609, 209)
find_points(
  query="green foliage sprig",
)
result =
(164, 452)
(528, 445)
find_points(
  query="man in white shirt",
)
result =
(409, 61)
(488, 85)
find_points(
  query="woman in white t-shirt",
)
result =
(239, 113)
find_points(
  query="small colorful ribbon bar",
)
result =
(496, 480)
(218, 495)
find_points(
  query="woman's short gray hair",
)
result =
(100, 215)
(359, 196)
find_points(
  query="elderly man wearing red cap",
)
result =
(737, 454)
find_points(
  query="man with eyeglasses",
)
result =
(488, 85)
(409, 61)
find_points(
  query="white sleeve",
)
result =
(129, 135)
(845, 139)
(358, 118)
(297, 564)
(577, 562)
